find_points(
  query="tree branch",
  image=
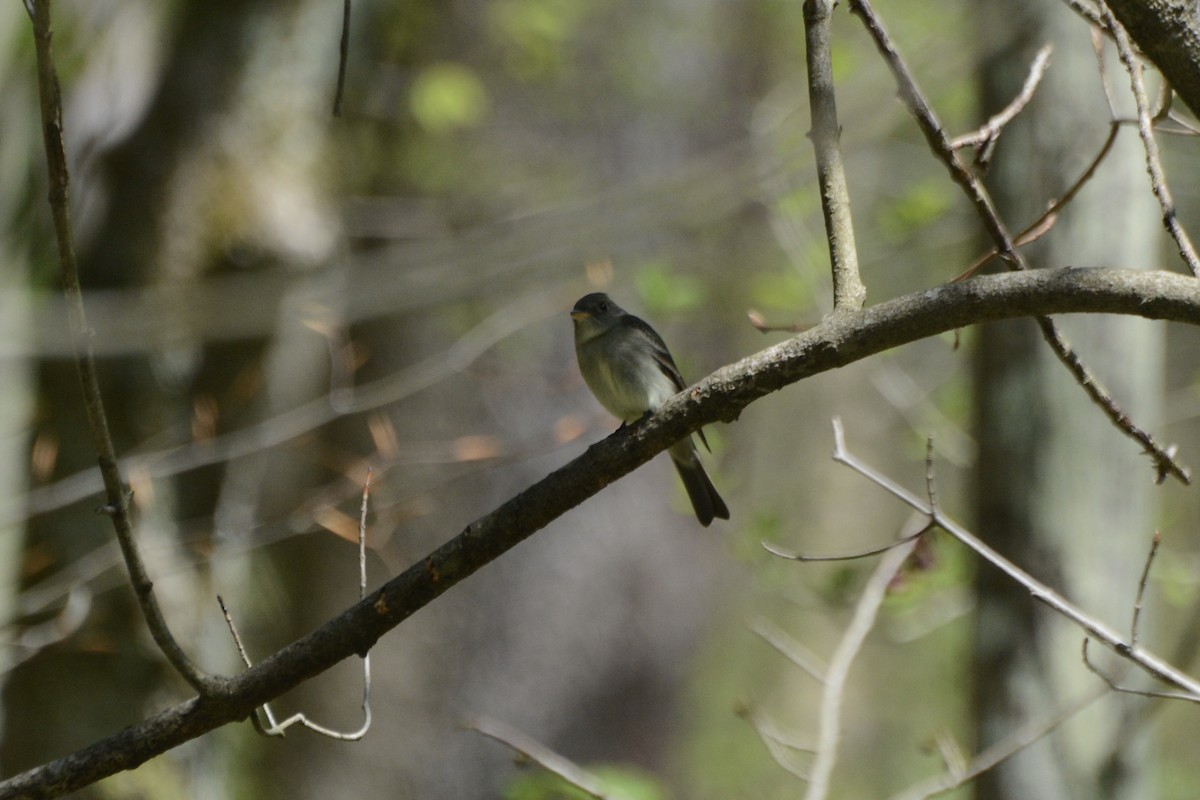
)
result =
(849, 293)
(1158, 179)
(1168, 32)
(1164, 460)
(840, 340)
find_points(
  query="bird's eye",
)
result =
(602, 308)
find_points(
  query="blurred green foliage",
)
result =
(619, 782)
(448, 96)
(664, 290)
(536, 36)
(920, 204)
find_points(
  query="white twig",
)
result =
(274, 728)
(795, 652)
(839, 668)
(1098, 630)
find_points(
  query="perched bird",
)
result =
(629, 370)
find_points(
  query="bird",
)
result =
(629, 370)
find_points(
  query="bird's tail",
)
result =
(700, 490)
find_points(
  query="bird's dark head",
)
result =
(596, 305)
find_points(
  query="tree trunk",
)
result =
(1058, 489)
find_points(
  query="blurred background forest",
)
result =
(283, 299)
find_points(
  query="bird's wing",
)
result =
(662, 357)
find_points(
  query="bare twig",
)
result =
(839, 667)
(930, 481)
(1163, 457)
(343, 57)
(1141, 591)
(1087, 11)
(873, 551)
(117, 499)
(985, 138)
(849, 293)
(760, 324)
(1113, 684)
(1042, 225)
(1152, 664)
(274, 728)
(541, 755)
(1158, 179)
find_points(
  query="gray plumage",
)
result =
(630, 371)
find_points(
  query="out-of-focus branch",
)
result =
(343, 57)
(860, 625)
(541, 755)
(281, 428)
(117, 500)
(849, 293)
(839, 340)
(1164, 459)
(999, 752)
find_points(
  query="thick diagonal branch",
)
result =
(840, 340)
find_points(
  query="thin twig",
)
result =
(760, 324)
(1163, 457)
(853, 556)
(343, 57)
(985, 138)
(1113, 684)
(930, 481)
(1151, 663)
(1087, 11)
(839, 668)
(849, 293)
(1158, 178)
(1042, 225)
(1141, 591)
(274, 728)
(117, 499)
(541, 755)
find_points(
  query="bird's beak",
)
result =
(578, 315)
